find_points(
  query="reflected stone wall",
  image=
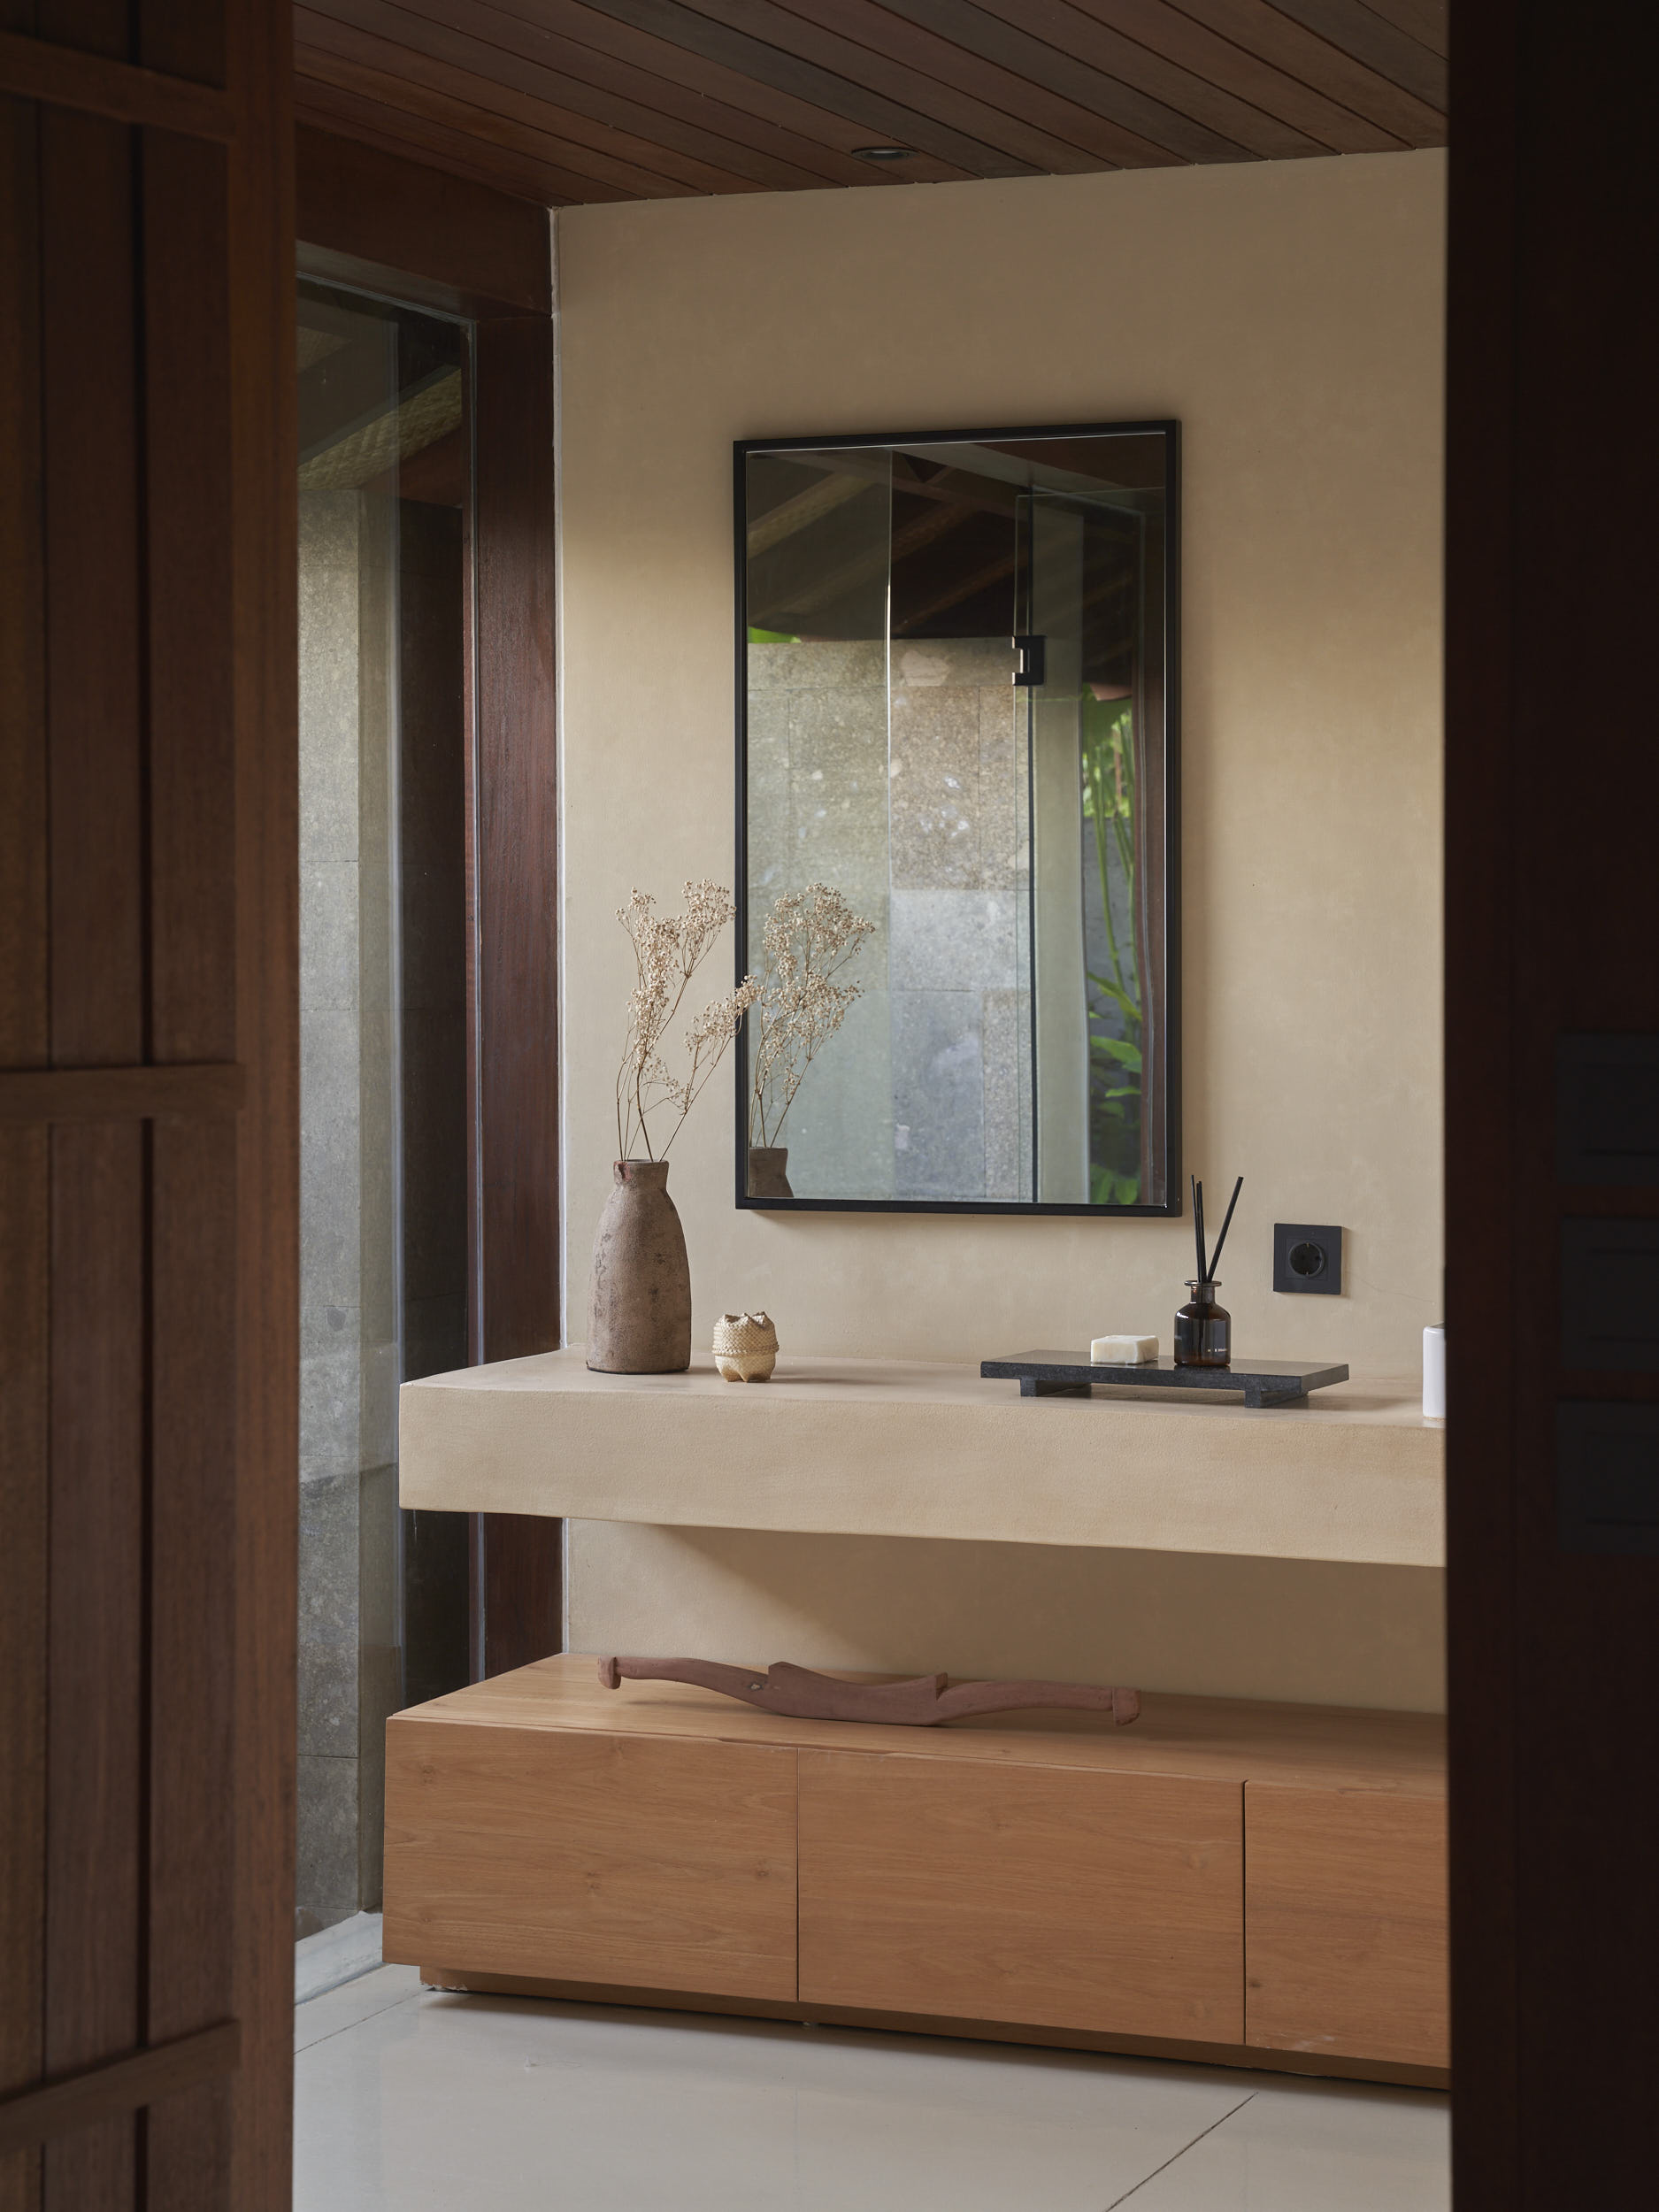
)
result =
(910, 800)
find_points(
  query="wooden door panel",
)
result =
(1042, 1895)
(589, 1857)
(1345, 1924)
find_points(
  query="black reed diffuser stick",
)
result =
(1215, 1257)
(1198, 1224)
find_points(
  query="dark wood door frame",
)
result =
(149, 1093)
(1552, 916)
(390, 225)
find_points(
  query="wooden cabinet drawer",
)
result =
(1050, 1896)
(582, 1856)
(1345, 1918)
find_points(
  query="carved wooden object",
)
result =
(922, 1701)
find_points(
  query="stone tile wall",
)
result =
(903, 787)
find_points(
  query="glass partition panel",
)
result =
(383, 504)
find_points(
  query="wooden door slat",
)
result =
(193, 1352)
(147, 1093)
(117, 92)
(25, 1209)
(95, 1641)
(124, 2085)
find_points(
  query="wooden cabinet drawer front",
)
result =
(1042, 1895)
(1345, 1920)
(586, 1857)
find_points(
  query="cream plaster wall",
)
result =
(1289, 314)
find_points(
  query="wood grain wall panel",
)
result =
(1428, 21)
(1165, 29)
(1016, 64)
(1054, 134)
(1105, 1901)
(25, 1211)
(1328, 67)
(496, 148)
(583, 41)
(766, 48)
(536, 98)
(478, 250)
(604, 1858)
(1345, 1924)
(975, 116)
(1067, 30)
(970, 88)
(608, 89)
(480, 110)
(1366, 34)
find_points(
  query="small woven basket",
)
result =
(745, 1346)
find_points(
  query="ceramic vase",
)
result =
(769, 1171)
(641, 1323)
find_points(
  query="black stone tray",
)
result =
(1264, 1382)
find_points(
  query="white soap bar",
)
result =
(1123, 1351)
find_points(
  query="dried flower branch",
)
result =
(810, 937)
(667, 950)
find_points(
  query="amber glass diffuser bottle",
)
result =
(1203, 1330)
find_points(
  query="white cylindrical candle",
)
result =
(1434, 1373)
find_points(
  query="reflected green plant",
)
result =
(1115, 1016)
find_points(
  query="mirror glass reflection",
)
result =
(955, 714)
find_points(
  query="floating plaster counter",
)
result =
(896, 1448)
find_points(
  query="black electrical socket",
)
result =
(1308, 1257)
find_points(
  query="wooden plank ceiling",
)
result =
(565, 101)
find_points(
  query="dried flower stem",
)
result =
(810, 937)
(667, 951)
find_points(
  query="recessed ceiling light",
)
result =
(884, 153)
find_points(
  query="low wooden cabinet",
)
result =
(613, 1858)
(983, 1891)
(1345, 1900)
(1259, 1883)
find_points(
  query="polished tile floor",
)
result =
(406, 2099)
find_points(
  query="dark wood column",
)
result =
(148, 1105)
(516, 1594)
(1553, 1104)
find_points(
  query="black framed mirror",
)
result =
(957, 829)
